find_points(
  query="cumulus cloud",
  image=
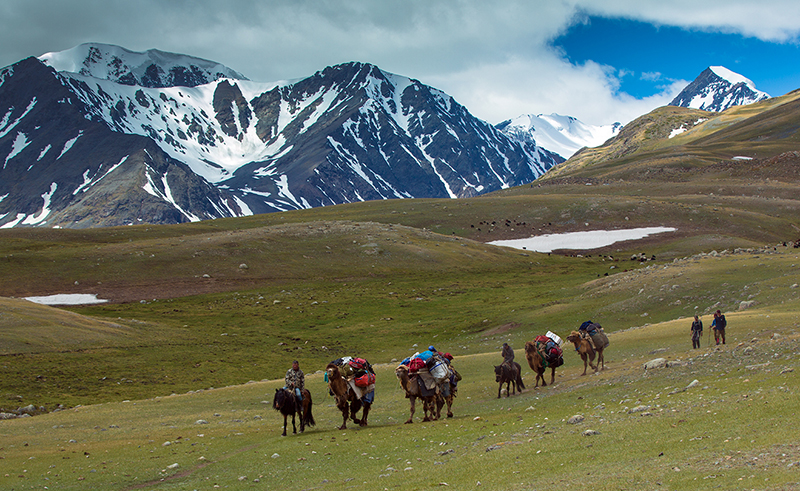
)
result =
(496, 59)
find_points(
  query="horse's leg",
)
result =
(294, 428)
(345, 413)
(499, 389)
(585, 362)
(552, 375)
(413, 400)
(355, 406)
(365, 414)
(284, 425)
(439, 399)
(449, 401)
(601, 359)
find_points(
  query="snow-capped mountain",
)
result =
(563, 135)
(717, 89)
(83, 150)
(152, 68)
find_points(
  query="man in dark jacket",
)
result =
(697, 332)
(508, 353)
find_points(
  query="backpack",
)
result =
(365, 380)
(415, 364)
(359, 364)
(721, 323)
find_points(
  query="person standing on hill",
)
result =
(508, 353)
(697, 332)
(296, 380)
(718, 325)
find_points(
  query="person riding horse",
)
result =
(295, 379)
(508, 353)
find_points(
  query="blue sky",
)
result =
(601, 61)
(646, 57)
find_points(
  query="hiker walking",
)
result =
(508, 353)
(697, 332)
(296, 380)
(718, 325)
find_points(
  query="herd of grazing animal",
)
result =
(509, 373)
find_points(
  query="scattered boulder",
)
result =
(656, 363)
(578, 418)
(638, 409)
(590, 433)
(746, 304)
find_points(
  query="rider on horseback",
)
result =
(295, 379)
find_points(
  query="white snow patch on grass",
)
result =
(67, 299)
(591, 239)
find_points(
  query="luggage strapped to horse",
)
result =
(550, 351)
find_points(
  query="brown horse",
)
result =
(346, 400)
(537, 364)
(584, 348)
(410, 385)
(287, 404)
(509, 374)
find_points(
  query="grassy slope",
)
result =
(681, 439)
(378, 278)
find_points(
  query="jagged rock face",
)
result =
(347, 133)
(61, 169)
(717, 89)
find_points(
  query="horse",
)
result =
(286, 403)
(537, 364)
(584, 348)
(346, 400)
(410, 386)
(509, 374)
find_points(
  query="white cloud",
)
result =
(493, 57)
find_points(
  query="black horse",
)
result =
(286, 403)
(509, 374)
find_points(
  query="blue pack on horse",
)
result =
(286, 403)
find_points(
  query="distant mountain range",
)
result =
(119, 137)
(563, 135)
(99, 135)
(716, 89)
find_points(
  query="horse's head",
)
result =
(281, 397)
(498, 372)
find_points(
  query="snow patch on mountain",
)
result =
(563, 135)
(151, 68)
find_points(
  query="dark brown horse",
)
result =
(537, 364)
(346, 400)
(509, 374)
(287, 404)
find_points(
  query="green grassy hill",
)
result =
(229, 303)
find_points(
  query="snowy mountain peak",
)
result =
(152, 68)
(563, 135)
(717, 89)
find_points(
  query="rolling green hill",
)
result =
(228, 302)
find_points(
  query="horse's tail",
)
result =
(307, 416)
(520, 385)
